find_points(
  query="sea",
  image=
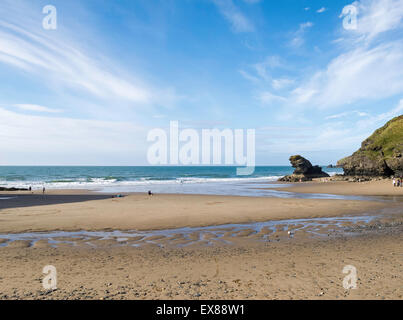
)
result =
(219, 180)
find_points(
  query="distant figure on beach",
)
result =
(150, 193)
(394, 182)
(43, 190)
(30, 188)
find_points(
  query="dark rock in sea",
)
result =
(12, 189)
(304, 170)
(381, 155)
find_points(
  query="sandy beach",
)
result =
(367, 188)
(251, 262)
(284, 270)
(163, 211)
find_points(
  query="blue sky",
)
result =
(88, 92)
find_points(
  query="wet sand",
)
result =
(20, 200)
(164, 211)
(256, 232)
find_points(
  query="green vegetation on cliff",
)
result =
(381, 154)
(386, 139)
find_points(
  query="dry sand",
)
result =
(367, 188)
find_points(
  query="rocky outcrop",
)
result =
(381, 155)
(304, 170)
(12, 189)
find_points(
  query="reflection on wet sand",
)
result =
(205, 236)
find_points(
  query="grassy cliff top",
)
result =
(386, 139)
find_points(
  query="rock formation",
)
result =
(380, 155)
(304, 171)
(12, 189)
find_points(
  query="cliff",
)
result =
(380, 155)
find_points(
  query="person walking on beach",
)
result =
(43, 190)
(394, 182)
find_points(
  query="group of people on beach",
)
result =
(397, 182)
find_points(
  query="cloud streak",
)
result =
(298, 37)
(359, 74)
(65, 63)
(363, 70)
(377, 17)
(92, 142)
(36, 108)
(239, 22)
(57, 58)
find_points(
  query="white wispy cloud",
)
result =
(36, 108)
(376, 17)
(347, 114)
(27, 139)
(57, 58)
(271, 62)
(359, 74)
(239, 22)
(364, 70)
(261, 75)
(332, 135)
(53, 59)
(323, 9)
(381, 118)
(281, 83)
(269, 98)
(262, 71)
(298, 37)
(249, 77)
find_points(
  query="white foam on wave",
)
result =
(96, 183)
(332, 173)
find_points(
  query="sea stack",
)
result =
(381, 155)
(304, 170)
